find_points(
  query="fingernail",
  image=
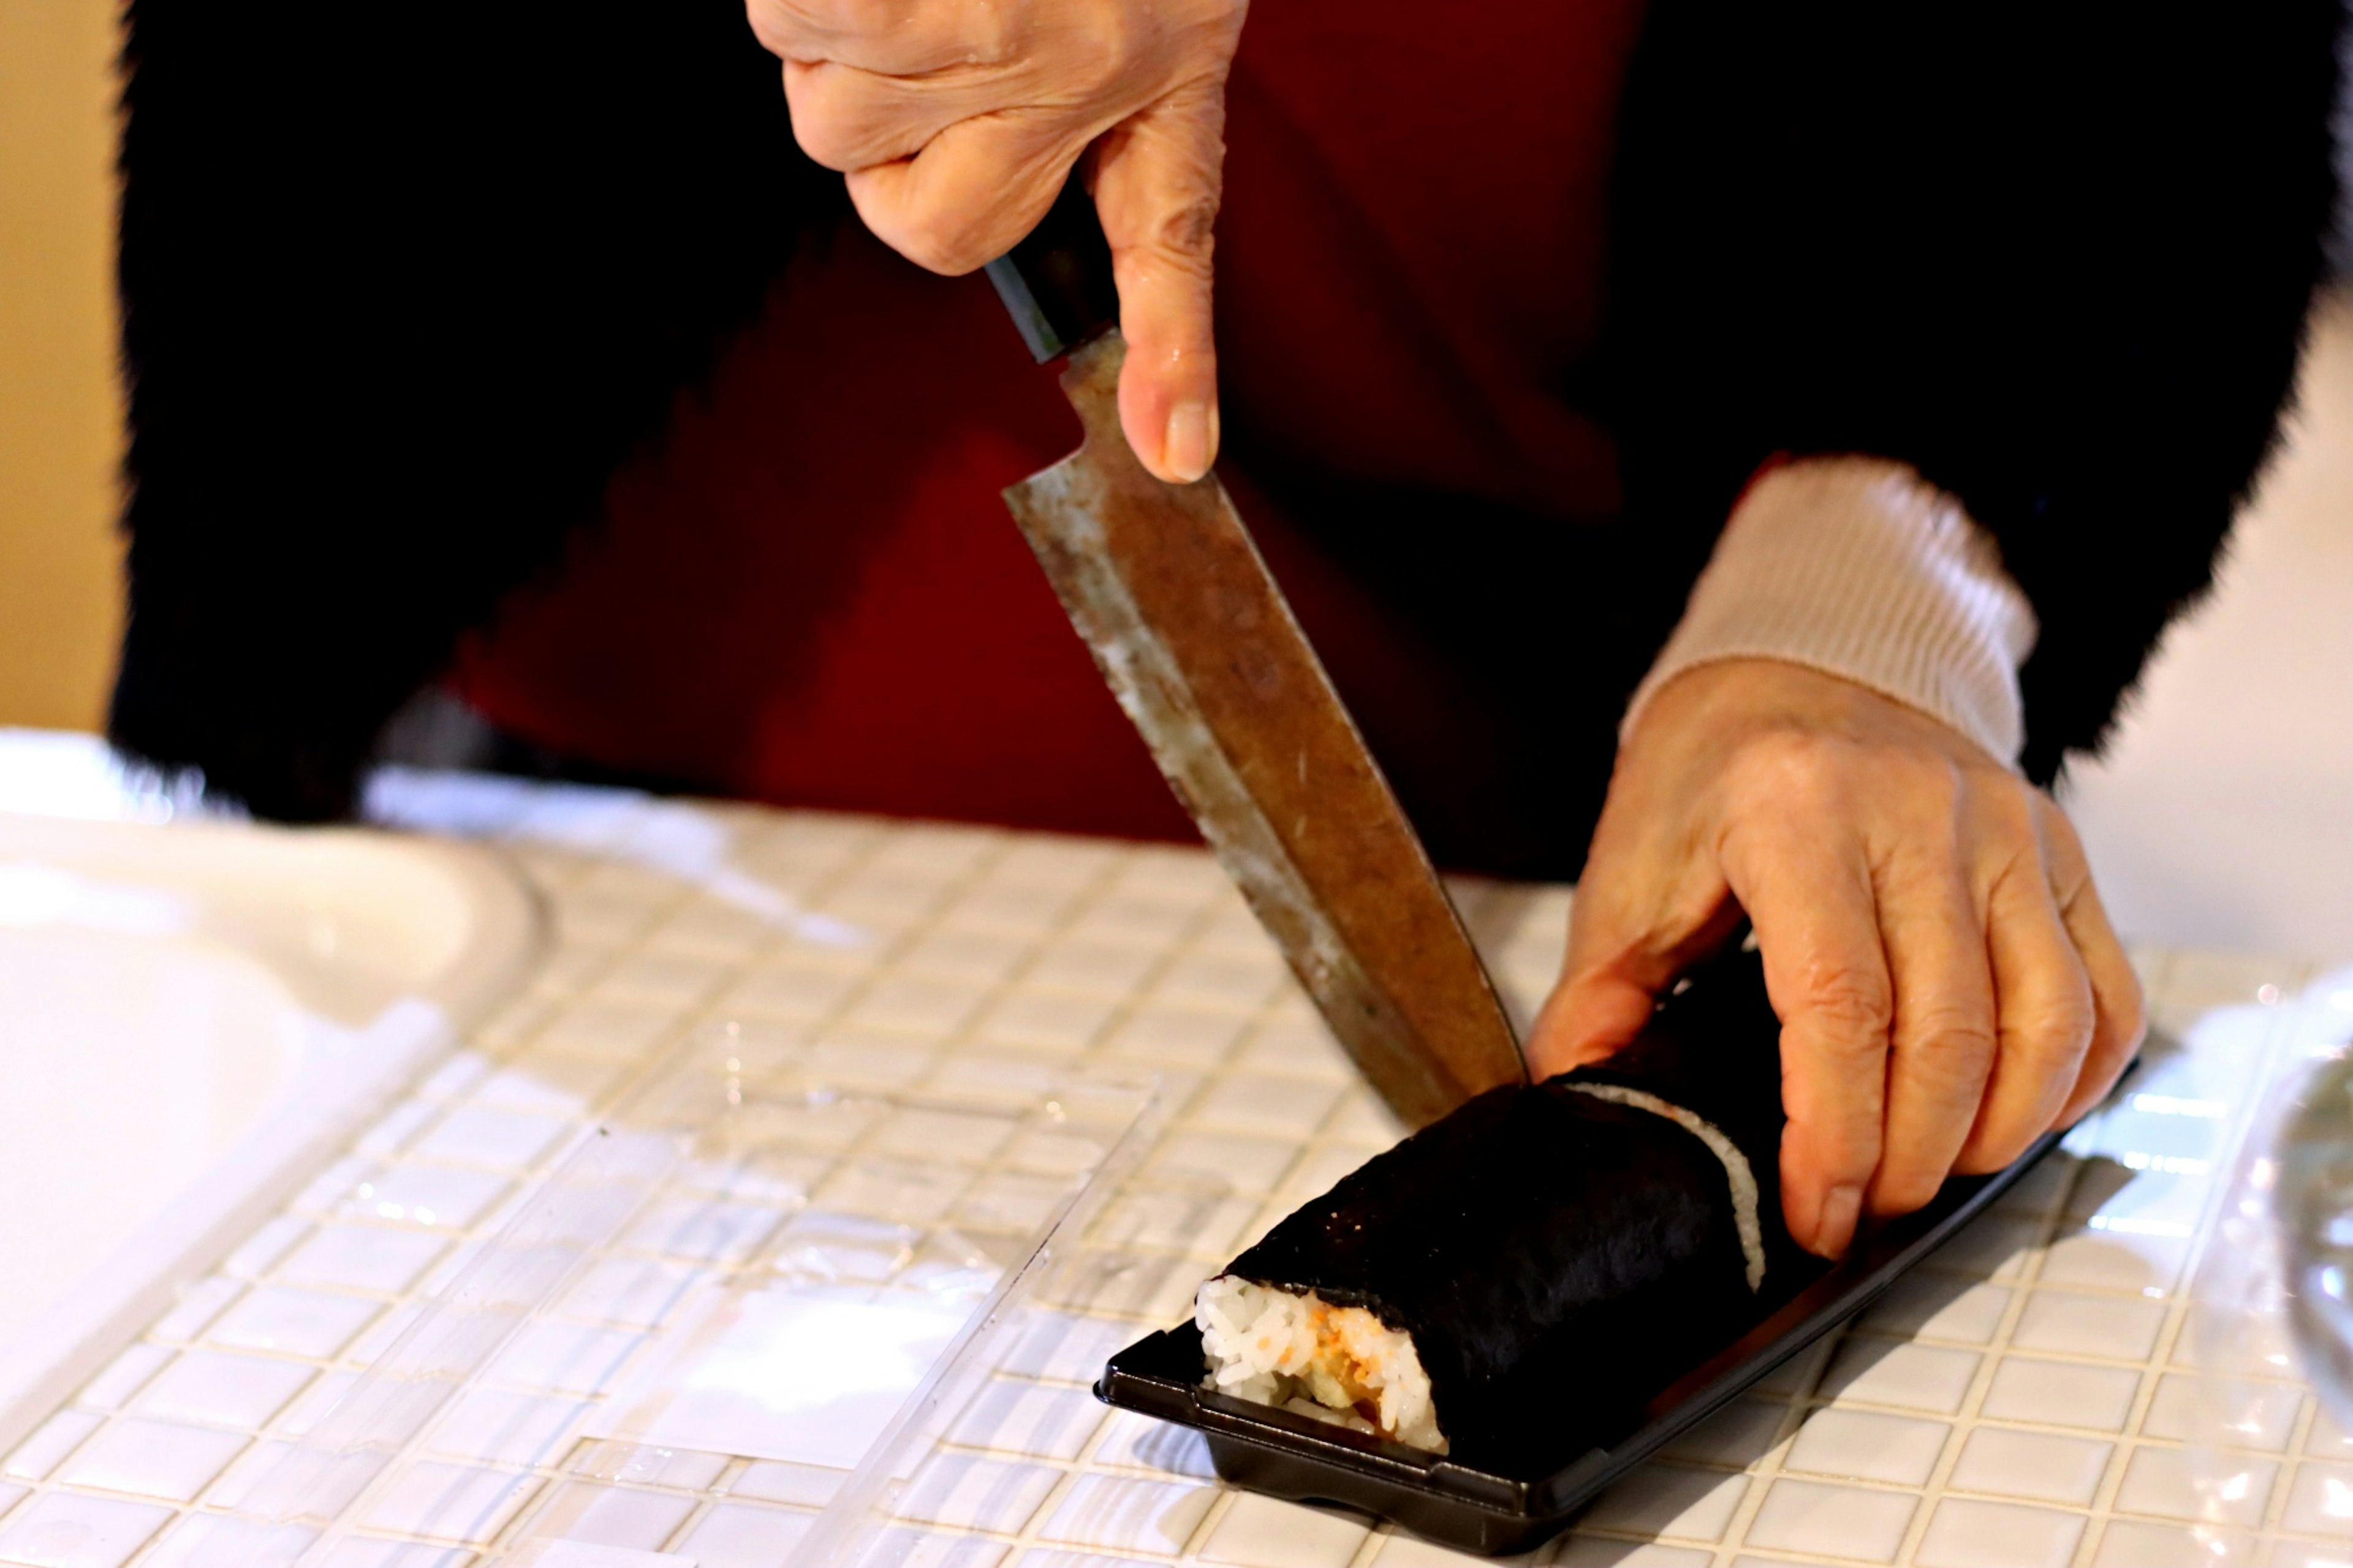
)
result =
(1191, 441)
(1834, 1224)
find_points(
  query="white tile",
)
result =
(566, 1358)
(152, 1459)
(433, 1196)
(966, 953)
(311, 1406)
(1965, 1534)
(2061, 1394)
(2327, 1439)
(1253, 1102)
(2061, 1323)
(1059, 1022)
(1140, 1443)
(38, 1455)
(310, 1323)
(538, 1084)
(646, 1465)
(1119, 1514)
(1176, 1218)
(917, 1004)
(497, 1426)
(610, 1516)
(2320, 1502)
(362, 1258)
(1738, 1436)
(1579, 1552)
(1266, 1533)
(123, 1376)
(961, 1492)
(1860, 1446)
(261, 1250)
(217, 1389)
(2129, 1544)
(803, 1486)
(665, 983)
(2159, 1483)
(1993, 1246)
(1669, 1500)
(1085, 965)
(500, 1139)
(64, 1531)
(703, 1232)
(1834, 1522)
(2261, 1415)
(1237, 979)
(463, 1503)
(1250, 1163)
(920, 1134)
(1043, 1559)
(1939, 1306)
(2032, 1465)
(734, 1536)
(2114, 1260)
(198, 1305)
(1176, 1035)
(800, 993)
(1927, 1378)
(1039, 1420)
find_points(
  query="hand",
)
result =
(1946, 981)
(958, 120)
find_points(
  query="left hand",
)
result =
(1947, 984)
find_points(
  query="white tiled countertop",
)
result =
(2022, 1400)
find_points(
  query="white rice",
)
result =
(1736, 1169)
(1299, 1352)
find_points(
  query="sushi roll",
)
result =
(1512, 1284)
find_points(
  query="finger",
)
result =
(1157, 180)
(2044, 1026)
(972, 192)
(1640, 917)
(2120, 1020)
(847, 119)
(894, 37)
(1942, 1047)
(1808, 893)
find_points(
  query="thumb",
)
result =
(1629, 938)
(1157, 178)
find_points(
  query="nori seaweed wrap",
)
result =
(1558, 1258)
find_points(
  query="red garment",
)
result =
(812, 593)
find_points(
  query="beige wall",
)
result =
(59, 407)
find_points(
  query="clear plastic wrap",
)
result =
(2272, 1310)
(749, 1282)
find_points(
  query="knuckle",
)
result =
(1951, 1044)
(2056, 1029)
(1797, 769)
(1854, 1010)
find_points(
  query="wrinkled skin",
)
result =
(958, 120)
(1948, 984)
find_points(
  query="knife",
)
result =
(1170, 595)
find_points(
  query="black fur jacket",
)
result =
(402, 288)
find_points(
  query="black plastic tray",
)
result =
(1306, 1460)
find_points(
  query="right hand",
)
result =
(957, 122)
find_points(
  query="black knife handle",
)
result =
(1057, 284)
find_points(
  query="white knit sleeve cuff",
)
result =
(1857, 567)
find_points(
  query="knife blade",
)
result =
(1165, 587)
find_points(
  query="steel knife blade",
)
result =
(1165, 587)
